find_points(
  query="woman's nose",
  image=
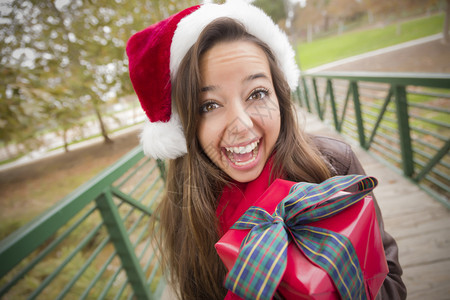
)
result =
(239, 120)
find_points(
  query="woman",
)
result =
(215, 82)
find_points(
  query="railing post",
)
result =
(298, 95)
(358, 114)
(162, 169)
(121, 241)
(439, 155)
(316, 97)
(305, 88)
(333, 104)
(380, 117)
(404, 130)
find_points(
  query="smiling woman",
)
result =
(215, 82)
(237, 90)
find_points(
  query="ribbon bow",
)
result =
(261, 263)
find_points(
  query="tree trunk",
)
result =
(66, 146)
(370, 17)
(447, 23)
(326, 23)
(340, 27)
(309, 37)
(106, 138)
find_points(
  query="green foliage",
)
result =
(275, 9)
(61, 60)
(19, 116)
(337, 47)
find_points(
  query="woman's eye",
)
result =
(208, 106)
(258, 94)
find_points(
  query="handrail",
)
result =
(415, 107)
(436, 80)
(113, 207)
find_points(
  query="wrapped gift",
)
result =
(307, 241)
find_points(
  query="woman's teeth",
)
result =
(243, 150)
(242, 156)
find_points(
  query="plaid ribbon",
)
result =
(261, 263)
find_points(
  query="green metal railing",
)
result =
(94, 244)
(402, 118)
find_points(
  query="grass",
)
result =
(9, 160)
(39, 197)
(333, 48)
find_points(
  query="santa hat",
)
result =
(156, 52)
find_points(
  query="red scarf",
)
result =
(237, 197)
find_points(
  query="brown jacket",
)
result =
(342, 161)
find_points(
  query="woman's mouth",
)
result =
(243, 155)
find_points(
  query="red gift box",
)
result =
(303, 279)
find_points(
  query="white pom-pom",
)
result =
(162, 140)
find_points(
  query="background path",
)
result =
(427, 54)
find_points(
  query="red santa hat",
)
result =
(155, 54)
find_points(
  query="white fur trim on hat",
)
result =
(164, 139)
(256, 23)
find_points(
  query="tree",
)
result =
(275, 9)
(19, 114)
(387, 8)
(447, 23)
(318, 16)
(66, 59)
(310, 18)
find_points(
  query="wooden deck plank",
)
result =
(409, 203)
(425, 249)
(418, 223)
(437, 287)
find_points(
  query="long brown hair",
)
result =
(187, 214)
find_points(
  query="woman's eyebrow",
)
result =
(256, 76)
(208, 88)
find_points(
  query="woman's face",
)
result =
(239, 111)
